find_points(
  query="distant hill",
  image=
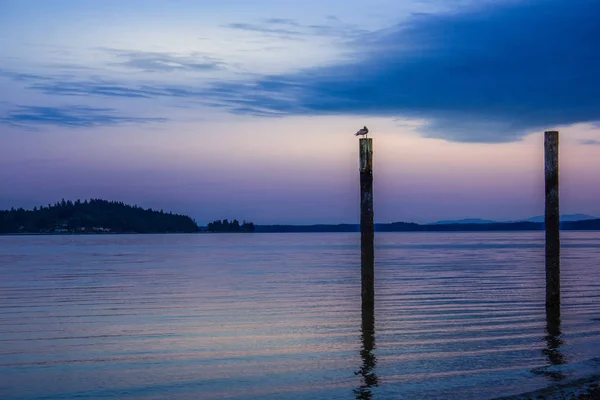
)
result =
(538, 219)
(93, 216)
(585, 225)
(563, 218)
(465, 221)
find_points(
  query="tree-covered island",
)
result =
(93, 216)
(103, 216)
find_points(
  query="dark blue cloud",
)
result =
(76, 116)
(488, 74)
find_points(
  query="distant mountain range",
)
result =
(565, 218)
(538, 219)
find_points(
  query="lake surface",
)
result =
(274, 316)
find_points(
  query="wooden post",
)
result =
(367, 228)
(552, 220)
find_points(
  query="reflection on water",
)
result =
(369, 378)
(243, 317)
(553, 343)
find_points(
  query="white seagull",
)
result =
(363, 131)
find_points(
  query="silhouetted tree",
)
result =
(233, 226)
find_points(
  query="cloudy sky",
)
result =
(247, 108)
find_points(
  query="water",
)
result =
(245, 316)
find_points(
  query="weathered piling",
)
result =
(552, 220)
(367, 228)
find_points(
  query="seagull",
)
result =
(363, 131)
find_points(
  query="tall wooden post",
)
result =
(367, 228)
(552, 220)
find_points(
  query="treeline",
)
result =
(93, 216)
(230, 226)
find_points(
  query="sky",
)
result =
(247, 109)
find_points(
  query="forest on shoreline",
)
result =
(97, 216)
(93, 216)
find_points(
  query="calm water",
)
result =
(458, 316)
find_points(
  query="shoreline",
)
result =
(275, 232)
(109, 233)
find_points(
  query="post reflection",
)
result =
(553, 339)
(369, 378)
(554, 342)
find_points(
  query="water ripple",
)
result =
(457, 316)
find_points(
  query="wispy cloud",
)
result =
(290, 29)
(281, 21)
(488, 74)
(21, 76)
(165, 62)
(268, 29)
(62, 85)
(70, 116)
(590, 142)
(91, 88)
(98, 88)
